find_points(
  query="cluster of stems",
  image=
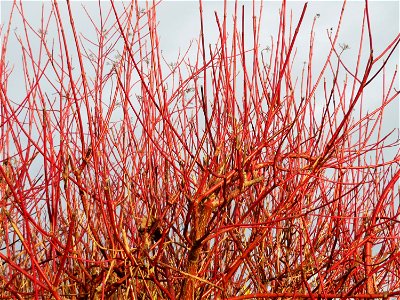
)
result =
(223, 175)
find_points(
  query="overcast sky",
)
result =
(179, 25)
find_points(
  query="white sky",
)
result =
(179, 25)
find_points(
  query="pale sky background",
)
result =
(179, 24)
